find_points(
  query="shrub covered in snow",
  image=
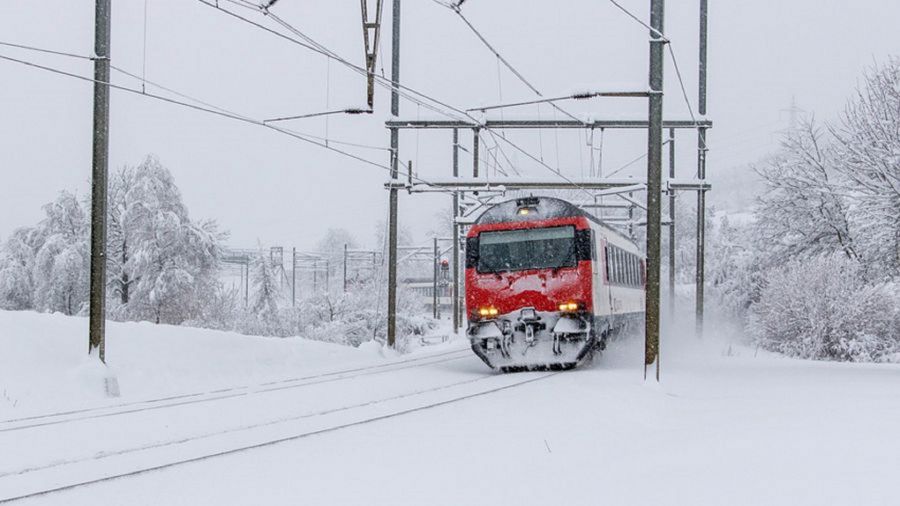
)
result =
(822, 309)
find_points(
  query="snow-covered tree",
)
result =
(802, 212)
(16, 267)
(331, 246)
(868, 146)
(820, 308)
(162, 264)
(265, 287)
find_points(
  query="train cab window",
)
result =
(533, 248)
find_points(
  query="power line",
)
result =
(215, 111)
(48, 51)
(312, 45)
(640, 21)
(212, 106)
(455, 8)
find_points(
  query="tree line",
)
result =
(164, 267)
(816, 273)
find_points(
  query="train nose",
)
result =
(532, 339)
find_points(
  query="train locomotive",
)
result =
(547, 285)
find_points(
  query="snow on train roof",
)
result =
(544, 207)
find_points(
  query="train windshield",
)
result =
(534, 248)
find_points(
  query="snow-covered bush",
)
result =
(821, 308)
(360, 315)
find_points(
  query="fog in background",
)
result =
(264, 186)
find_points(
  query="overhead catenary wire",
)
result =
(310, 44)
(455, 8)
(215, 111)
(668, 43)
(316, 47)
(351, 110)
(213, 106)
(47, 51)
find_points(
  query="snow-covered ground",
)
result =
(272, 421)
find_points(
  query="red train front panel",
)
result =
(529, 285)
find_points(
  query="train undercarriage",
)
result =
(527, 340)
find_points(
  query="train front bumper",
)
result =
(527, 339)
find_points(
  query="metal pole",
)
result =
(345, 267)
(654, 184)
(247, 282)
(392, 204)
(97, 320)
(475, 142)
(434, 283)
(701, 172)
(455, 288)
(672, 226)
(293, 277)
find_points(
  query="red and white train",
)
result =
(547, 284)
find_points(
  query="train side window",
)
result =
(615, 265)
(632, 276)
(628, 268)
(618, 265)
(610, 264)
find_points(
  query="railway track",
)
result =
(22, 423)
(143, 459)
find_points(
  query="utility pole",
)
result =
(475, 145)
(701, 172)
(654, 185)
(434, 283)
(455, 288)
(392, 205)
(97, 320)
(672, 227)
(294, 277)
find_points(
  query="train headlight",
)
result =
(488, 311)
(569, 306)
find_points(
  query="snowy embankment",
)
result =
(44, 364)
(726, 426)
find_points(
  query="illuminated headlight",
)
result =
(488, 311)
(569, 306)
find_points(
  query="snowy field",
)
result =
(288, 421)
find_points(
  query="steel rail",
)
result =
(298, 436)
(231, 392)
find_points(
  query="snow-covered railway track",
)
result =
(66, 475)
(15, 424)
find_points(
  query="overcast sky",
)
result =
(261, 185)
